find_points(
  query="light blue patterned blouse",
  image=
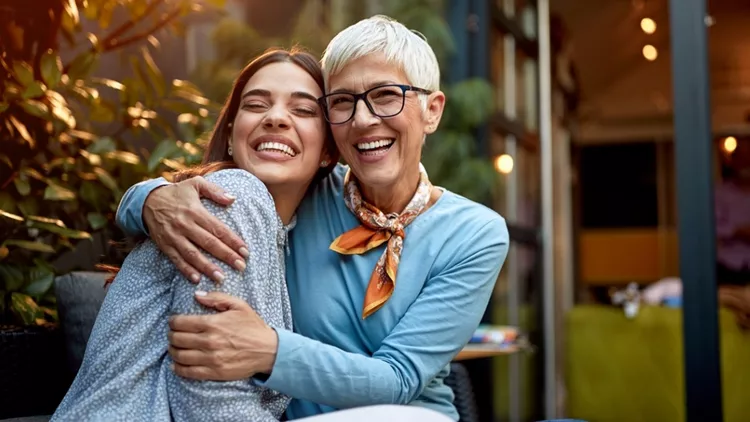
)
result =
(126, 375)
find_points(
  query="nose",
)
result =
(277, 117)
(363, 117)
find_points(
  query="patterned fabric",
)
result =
(376, 229)
(126, 375)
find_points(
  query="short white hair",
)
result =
(381, 34)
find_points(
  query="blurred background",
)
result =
(570, 138)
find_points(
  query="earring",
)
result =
(324, 163)
(229, 150)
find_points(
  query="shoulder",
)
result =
(252, 194)
(474, 219)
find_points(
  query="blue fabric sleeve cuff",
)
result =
(280, 374)
(130, 212)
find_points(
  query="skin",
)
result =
(235, 343)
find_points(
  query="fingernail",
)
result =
(229, 196)
(201, 293)
(195, 278)
(218, 276)
(244, 252)
(240, 265)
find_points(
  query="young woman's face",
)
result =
(279, 131)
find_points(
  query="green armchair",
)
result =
(621, 370)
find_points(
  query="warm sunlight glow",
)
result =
(648, 25)
(504, 164)
(730, 144)
(649, 52)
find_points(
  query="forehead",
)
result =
(283, 78)
(366, 71)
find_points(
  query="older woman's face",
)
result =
(382, 151)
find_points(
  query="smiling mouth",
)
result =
(375, 147)
(275, 147)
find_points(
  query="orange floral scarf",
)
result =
(376, 229)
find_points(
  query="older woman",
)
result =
(388, 275)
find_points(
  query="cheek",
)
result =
(312, 134)
(244, 124)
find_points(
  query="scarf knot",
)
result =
(377, 228)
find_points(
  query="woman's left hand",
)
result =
(233, 344)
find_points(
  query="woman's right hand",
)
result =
(179, 224)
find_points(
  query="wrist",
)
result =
(147, 212)
(270, 350)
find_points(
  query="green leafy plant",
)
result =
(67, 136)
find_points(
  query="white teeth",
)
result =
(276, 146)
(375, 144)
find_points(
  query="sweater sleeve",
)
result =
(130, 212)
(434, 329)
(252, 216)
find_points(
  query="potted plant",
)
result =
(66, 157)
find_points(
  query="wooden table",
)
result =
(476, 351)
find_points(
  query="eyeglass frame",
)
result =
(363, 96)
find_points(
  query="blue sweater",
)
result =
(334, 359)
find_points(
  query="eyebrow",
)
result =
(369, 86)
(266, 93)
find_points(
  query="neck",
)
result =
(393, 198)
(287, 200)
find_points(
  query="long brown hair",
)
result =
(216, 156)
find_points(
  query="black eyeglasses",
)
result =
(382, 101)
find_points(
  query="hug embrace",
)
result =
(277, 283)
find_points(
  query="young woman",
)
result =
(270, 142)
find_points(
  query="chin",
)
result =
(381, 177)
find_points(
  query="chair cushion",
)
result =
(79, 297)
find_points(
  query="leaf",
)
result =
(102, 145)
(45, 220)
(165, 149)
(22, 185)
(102, 111)
(55, 192)
(23, 73)
(35, 89)
(106, 179)
(35, 108)
(96, 220)
(60, 229)
(12, 276)
(22, 131)
(51, 67)
(7, 204)
(30, 245)
(108, 83)
(25, 308)
(40, 280)
(71, 9)
(154, 74)
(82, 65)
(124, 156)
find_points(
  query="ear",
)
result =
(434, 111)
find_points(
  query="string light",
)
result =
(504, 164)
(730, 144)
(650, 52)
(648, 25)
